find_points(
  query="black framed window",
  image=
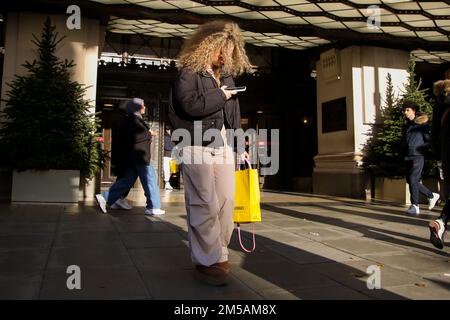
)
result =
(334, 115)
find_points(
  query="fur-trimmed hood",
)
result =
(441, 87)
(421, 118)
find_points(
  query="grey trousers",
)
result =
(209, 198)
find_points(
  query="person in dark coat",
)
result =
(441, 142)
(135, 144)
(200, 102)
(118, 156)
(417, 143)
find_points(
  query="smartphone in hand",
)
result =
(238, 89)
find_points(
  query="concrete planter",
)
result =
(392, 190)
(89, 188)
(397, 190)
(54, 186)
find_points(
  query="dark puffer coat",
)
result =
(135, 141)
(198, 97)
(417, 137)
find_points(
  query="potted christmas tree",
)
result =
(383, 159)
(47, 129)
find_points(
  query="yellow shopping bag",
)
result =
(247, 197)
(174, 167)
(247, 200)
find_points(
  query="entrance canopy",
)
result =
(293, 24)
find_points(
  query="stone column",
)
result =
(351, 86)
(81, 46)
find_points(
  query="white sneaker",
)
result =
(413, 210)
(437, 230)
(101, 202)
(154, 212)
(121, 204)
(432, 201)
(168, 186)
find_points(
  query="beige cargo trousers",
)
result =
(209, 184)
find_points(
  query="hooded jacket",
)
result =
(441, 114)
(417, 137)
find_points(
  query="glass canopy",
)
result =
(296, 24)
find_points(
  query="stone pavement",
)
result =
(308, 247)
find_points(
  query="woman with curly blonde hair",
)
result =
(215, 36)
(200, 101)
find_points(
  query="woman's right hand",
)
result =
(228, 93)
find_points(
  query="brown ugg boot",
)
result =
(215, 275)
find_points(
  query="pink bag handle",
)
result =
(253, 226)
(240, 239)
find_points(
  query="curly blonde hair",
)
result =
(198, 51)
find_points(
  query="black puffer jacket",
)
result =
(197, 97)
(417, 137)
(135, 141)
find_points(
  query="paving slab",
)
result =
(92, 238)
(126, 217)
(17, 289)
(27, 241)
(287, 277)
(37, 210)
(81, 208)
(415, 262)
(259, 226)
(78, 225)
(421, 291)
(305, 252)
(181, 285)
(28, 215)
(174, 258)
(8, 228)
(440, 278)
(329, 293)
(286, 223)
(278, 294)
(26, 264)
(118, 283)
(318, 233)
(5, 210)
(362, 246)
(152, 240)
(139, 227)
(261, 255)
(266, 237)
(353, 274)
(98, 256)
(87, 217)
(385, 294)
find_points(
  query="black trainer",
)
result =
(437, 230)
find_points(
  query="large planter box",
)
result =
(52, 186)
(397, 190)
(392, 190)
